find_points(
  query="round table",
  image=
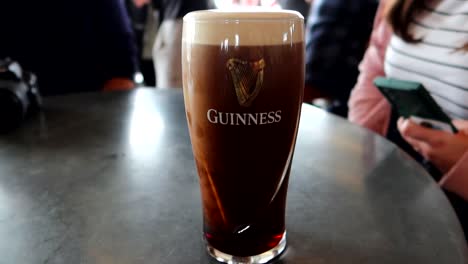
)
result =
(110, 178)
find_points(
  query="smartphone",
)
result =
(411, 100)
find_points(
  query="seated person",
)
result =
(72, 47)
(168, 45)
(337, 35)
(423, 42)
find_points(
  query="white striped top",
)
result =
(437, 62)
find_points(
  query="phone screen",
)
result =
(412, 100)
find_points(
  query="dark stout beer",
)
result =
(243, 104)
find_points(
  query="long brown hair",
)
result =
(400, 14)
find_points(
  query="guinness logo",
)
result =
(247, 78)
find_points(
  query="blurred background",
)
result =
(107, 45)
(147, 20)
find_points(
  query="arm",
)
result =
(118, 50)
(140, 3)
(367, 106)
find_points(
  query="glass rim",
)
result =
(238, 15)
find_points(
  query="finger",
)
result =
(416, 144)
(461, 125)
(421, 147)
(401, 123)
(409, 129)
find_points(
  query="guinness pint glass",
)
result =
(243, 78)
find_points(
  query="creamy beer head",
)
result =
(217, 27)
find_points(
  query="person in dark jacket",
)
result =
(76, 46)
(337, 35)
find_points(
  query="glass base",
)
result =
(257, 259)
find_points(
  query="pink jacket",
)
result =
(368, 108)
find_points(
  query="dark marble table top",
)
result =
(110, 178)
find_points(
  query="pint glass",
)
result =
(243, 78)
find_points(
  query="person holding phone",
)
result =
(424, 41)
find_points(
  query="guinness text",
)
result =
(243, 119)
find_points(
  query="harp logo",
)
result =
(247, 78)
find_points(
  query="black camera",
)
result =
(19, 94)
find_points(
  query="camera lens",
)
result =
(11, 111)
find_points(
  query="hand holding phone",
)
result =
(411, 100)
